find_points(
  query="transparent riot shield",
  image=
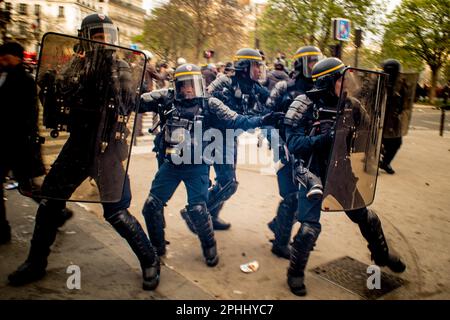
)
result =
(353, 163)
(89, 95)
(407, 83)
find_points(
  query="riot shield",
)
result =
(89, 93)
(407, 90)
(353, 163)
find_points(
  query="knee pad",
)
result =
(222, 193)
(306, 237)
(197, 212)
(152, 206)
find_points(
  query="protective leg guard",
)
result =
(201, 219)
(372, 231)
(44, 235)
(130, 229)
(281, 226)
(188, 221)
(217, 196)
(301, 247)
(153, 213)
(65, 214)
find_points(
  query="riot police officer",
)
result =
(280, 98)
(299, 121)
(243, 93)
(186, 114)
(104, 83)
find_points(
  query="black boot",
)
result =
(153, 212)
(66, 214)
(301, 247)
(44, 235)
(202, 221)
(5, 232)
(130, 229)
(281, 226)
(386, 167)
(5, 229)
(372, 231)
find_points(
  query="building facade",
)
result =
(26, 21)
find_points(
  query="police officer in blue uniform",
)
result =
(187, 113)
(299, 120)
(280, 98)
(244, 94)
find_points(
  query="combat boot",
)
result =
(130, 229)
(202, 221)
(300, 250)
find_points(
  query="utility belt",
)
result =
(176, 131)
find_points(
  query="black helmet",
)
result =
(325, 74)
(305, 58)
(189, 82)
(99, 27)
(392, 68)
(249, 62)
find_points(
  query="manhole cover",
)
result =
(352, 275)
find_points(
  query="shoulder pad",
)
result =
(218, 84)
(276, 93)
(219, 109)
(155, 95)
(280, 88)
(296, 110)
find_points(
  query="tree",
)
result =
(189, 27)
(289, 24)
(165, 32)
(420, 29)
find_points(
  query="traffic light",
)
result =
(208, 54)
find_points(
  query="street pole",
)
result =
(441, 128)
(358, 42)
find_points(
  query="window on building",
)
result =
(23, 8)
(37, 9)
(60, 12)
(8, 6)
(100, 1)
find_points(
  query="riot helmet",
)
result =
(99, 27)
(181, 61)
(249, 63)
(392, 68)
(304, 60)
(325, 74)
(189, 83)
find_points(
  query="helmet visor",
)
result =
(106, 33)
(189, 87)
(257, 71)
(308, 63)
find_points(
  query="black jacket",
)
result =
(19, 129)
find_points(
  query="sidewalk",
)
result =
(109, 269)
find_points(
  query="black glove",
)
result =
(271, 118)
